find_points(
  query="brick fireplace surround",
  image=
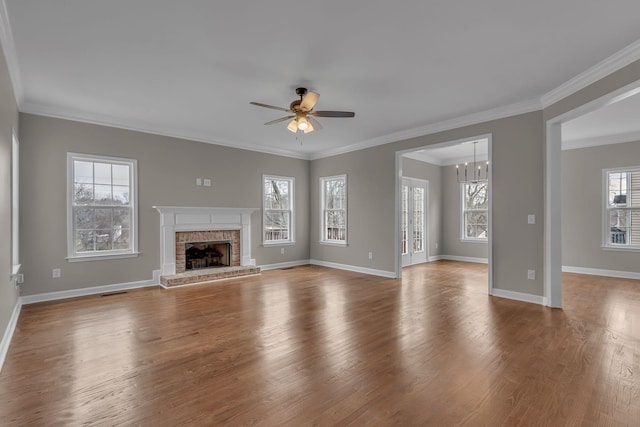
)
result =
(180, 225)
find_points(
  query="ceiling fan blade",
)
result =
(314, 123)
(281, 119)
(333, 113)
(309, 101)
(270, 106)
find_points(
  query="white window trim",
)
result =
(323, 241)
(292, 220)
(463, 237)
(15, 205)
(104, 255)
(606, 245)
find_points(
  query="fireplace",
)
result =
(181, 225)
(200, 255)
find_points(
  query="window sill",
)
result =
(282, 243)
(329, 243)
(474, 240)
(15, 269)
(621, 248)
(82, 258)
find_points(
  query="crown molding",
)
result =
(10, 55)
(103, 120)
(468, 120)
(601, 140)
(615, 62)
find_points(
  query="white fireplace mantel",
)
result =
(183, 218)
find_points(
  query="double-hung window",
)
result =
(622, 208)
(102, 209)
(475, 217)
(333, 192)
(277, 210)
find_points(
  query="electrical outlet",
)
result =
(531, 274)
(281, 251)
(436, 245)
(370, 255)
(55, 273)
(198, 181)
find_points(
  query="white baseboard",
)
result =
(600, 272)
(373, 272)
(284, 265)
(8, 332)
(435, 258)
(52, 296)
(518, 296)
(464, 259)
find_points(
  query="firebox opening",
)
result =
(207, 255)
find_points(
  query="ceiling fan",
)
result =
(302, 112)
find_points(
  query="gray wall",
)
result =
(167, 169)
(517, 191)
(451, 200)
(412, 168)
(582, 206)
(8, 121)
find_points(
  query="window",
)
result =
(475, 203)
(102, 209)
(622, 208)
(15, 205)
(333, 191)
(277, 210)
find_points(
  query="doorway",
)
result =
(414, 221)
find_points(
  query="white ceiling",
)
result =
(190, 68)
(451, 154)
(616, 123)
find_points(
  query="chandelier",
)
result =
(475, 175)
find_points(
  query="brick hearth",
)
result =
(208, 275)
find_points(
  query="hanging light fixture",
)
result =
(476, 170)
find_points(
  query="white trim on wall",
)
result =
(601, 272)
(287, 264)
(519, 296)
(8, 332)
(465, 259)
(371, 271)
(52, 296)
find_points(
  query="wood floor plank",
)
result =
(317, 346)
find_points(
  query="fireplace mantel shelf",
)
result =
(203, 209)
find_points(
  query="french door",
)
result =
(413, 233)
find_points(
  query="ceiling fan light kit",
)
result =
(302, 110)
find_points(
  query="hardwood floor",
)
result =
(316, 346)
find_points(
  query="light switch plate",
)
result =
(198, 181)
(531, 219)
(207, 182)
